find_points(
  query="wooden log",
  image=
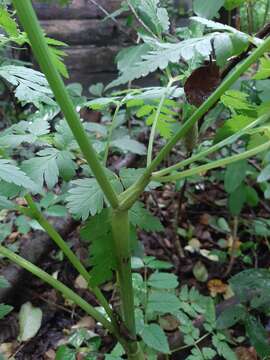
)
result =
(84, 32)
(78, 9)
(91, 59)
(34, 250)
(87, 80)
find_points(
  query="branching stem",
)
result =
(67, 292)
(131, 194)
(28, 18)
(213, 165)
(202, 154)
(61, 243)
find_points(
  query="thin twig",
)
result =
(178, 215)
(266, 14)
(140, 20)
(188, 346)
(234, 246)
(105, 12)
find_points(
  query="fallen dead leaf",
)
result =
(168, 323)
(21, 201)
(13, 236)
(216, 286)
(80, 283)
(50, 355)
(204, 219)
(86, 322)
(232, 244)
(244, 353)
(206, 253)
(194, 245)
(228, 293)
(7, 349)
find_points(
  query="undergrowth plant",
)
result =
(108, 203)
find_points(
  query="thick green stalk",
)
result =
(212, 149)
(130, 195)
(212, 165)
(67, 292)
(121, 238)
(120, 229)
(60, 242)
(28, 18)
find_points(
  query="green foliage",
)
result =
(264, 69)
(154, 337)
(81, 340)
(3, 283)
(97, 231)
(254, 283)
(152, 15)
(223, 349)
(234, 175)
(54, 159)
(232, 4)
(163, 302)
(80, 205)
(207, 10)
(48, 165)
(14, 35)
(163, 280)
(4, 309)
(12, 174)
(7, 22)
(231, 316)
(258, 336)
(161, 54)
(30, 85)
(141, 217)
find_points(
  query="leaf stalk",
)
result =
(213, 165)
(61, 243)
(128, 198)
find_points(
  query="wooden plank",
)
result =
(80, 32)
(87, 80)
(78, 9)
(90, 59)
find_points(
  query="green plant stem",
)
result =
(110, 133)
(250, 16)
(231, 139)
(153, 129)
(155, 122)
(28, 19)
(67, 292)
(140, 21)
(266, 14)
(61, 243)
(121, 238)
(130, 195)
(188, 346)
(215, 164)
(120, 229)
